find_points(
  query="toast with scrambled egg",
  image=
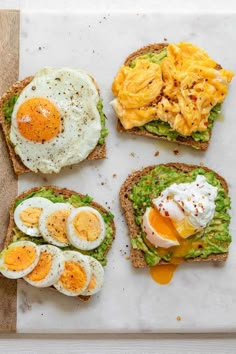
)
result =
(22, 160)
(170, 91)
(58, 205)
(162, 229)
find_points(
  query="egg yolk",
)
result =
(43, 267)
(87, 226)
(162, 225)
(19, 258)
(30, 216)
(163, 273)
(38, 120)
(74, 277)
(56, 224)
(92, 283)
(184, 228)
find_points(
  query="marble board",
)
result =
(203, 295)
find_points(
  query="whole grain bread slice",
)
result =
(157, 48)
(98, 153)
(57, 191)
(137, 256)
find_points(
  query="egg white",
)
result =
(21, 273)
(78, 242)
(98, 272)
(34, 202)
(43, 223)
(82, 260)
(75, 95)
(56, 270)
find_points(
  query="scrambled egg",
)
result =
(181, 90)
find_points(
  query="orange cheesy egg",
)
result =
(180, 90)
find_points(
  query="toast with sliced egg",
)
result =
(171, 92)
(176, 213)
(58, 238)
(52, 120)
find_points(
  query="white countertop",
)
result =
(140, 343)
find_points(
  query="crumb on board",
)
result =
(178, 318)
(176, 151)
(157, 153)
(114, 175)
(165, 39)
(132, 154)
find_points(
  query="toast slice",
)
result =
(66, 193)
(188, 140)
(137, 256)
(98, 153)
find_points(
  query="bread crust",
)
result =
(58, 191)
(189, 141)
(137, 256)
(19, 168)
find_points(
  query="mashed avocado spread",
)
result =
(100, 252)
(214, 239)
(9, 106)
(161, 128)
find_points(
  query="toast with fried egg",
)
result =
(7, 103)
(172, 95)
(211, 243)
(51, 200)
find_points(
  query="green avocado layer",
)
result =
(161, 128)
(100, 252)
(214, 239)
(9, 106)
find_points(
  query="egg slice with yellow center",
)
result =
(76, 275)
(85, 228)
(27, 214)
(19, 259)
(52, 223)
(49, 268)
(97, 277)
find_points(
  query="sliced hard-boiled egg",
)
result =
(52, 223)
(85, 228)
(159, 230)
(168, 208)
(49, 268)
(97, 277)
(27, 214)
(76, 275)
(19, 259)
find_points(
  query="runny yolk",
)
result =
(162, 225)
(87, 226)
(56, 224)
(30, 216)
(74, 277)
(43, 267)
(163, 273)
(38, 120)
(92, 283)
(19, 258)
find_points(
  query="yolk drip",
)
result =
(162, 274)
(43, 267)
(30, 216)
(56, 225)
(20, 258)
(92, 284)
(38, 120)
(73, 277)
(87, 226)
(162, 225)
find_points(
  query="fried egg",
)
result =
(76, 275)
(97, 277)
(52, 223)
(19, 259)
(49, 268)
(27, 214)
(85, 228)
(55, 121)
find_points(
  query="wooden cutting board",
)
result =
(9, 69)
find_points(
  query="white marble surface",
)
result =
(203, 295)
